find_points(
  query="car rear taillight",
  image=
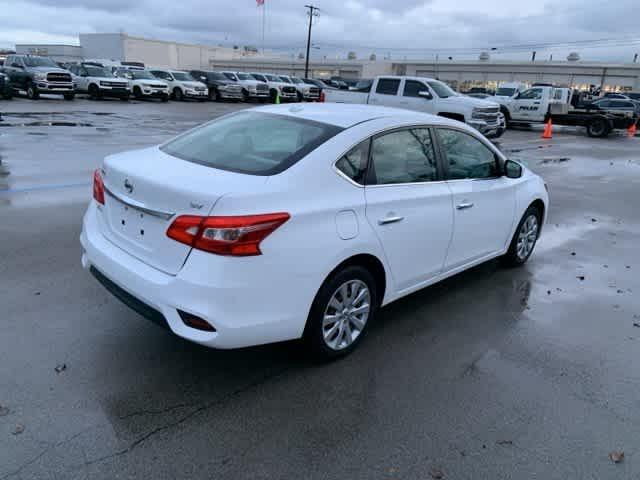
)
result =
(98, 187)
(234, 236)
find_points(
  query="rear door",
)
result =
(408, 206)
(385, 92)
(483, 199)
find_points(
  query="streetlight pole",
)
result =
(313, 12)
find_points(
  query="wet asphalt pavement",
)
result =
(493, 374)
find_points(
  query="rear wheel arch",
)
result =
(369, 262)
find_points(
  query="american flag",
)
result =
(260, 2)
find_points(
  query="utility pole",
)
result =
(313, 12)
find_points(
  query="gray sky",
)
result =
(379, 26)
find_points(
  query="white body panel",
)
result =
(188, 88)
(332, 220)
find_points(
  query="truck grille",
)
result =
(289, 89)
(314, 91)
(488, 114)
(59, 77)
(262, 87)
(200, 89)
(114, 84)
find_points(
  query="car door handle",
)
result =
(464, 205)
(388, 220)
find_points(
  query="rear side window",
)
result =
(388, 86)
(354, 164)
(403, 156)
(254, 143)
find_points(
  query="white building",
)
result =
(59, 53)
(157, 53)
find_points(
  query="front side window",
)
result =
(413, 88)
(404, 156)
(531, 94)
(388, 86)
(97, 71)
(505, 92)
(467, 157)
(273, 78)
(354, 164)
(254, 143)
(260, 78)
(230, 76)
(141, 75)
(244, 76)
(285, 79)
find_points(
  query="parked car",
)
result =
(634, 95)
(615, 105)
(143, 84)
(319, 83)
(305, 91)
(251, 88)
(277, 88)
(6, 90)
(98, 81)
(206, 233)
(430, 96)
(36, 75)
(220, 87)
(338, 83)
(182, 85)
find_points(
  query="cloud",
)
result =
(402, 27)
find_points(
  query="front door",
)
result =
(412, 100)
(407, 206)
(483, 199)
(529, 105)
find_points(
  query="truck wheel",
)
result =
(598, 128)
(165, 98)
(177, 94)
(507, 117)
(273, 94)
(213, 95)
(245, 96)
(300, 97)
(32, 91)
(137, 92)
(94, 92)
(69, 96)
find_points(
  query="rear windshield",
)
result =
(254, 143)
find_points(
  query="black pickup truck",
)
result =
(36, 75)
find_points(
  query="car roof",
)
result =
(346, 115)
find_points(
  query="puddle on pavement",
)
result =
(555, 236)
(554, 160)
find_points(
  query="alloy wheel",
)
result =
(346, 314)
(527, 237)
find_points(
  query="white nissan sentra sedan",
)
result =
(282, 222)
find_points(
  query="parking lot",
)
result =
(492, 374)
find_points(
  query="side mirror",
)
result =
(512, 169)
(425, 94)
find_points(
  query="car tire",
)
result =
(525, 238)
(327, 339)
(177, 95)
(94, 92)
(245, 96)
(165, 98)
(32, 91)
(137, 92)
(598, 128)
(214, 96)
(300, 97)
(273, 94)
(69, 96)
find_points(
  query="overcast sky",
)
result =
(379, 26)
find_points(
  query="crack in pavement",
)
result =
(44, 452)
(184, 418)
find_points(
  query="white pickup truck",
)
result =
(541, 103)
(425, 95)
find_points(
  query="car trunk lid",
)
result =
(146, 190)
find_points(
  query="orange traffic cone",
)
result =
(548, 128)
(632, 130)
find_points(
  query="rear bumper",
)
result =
(244, 308)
